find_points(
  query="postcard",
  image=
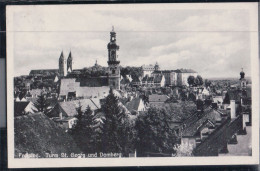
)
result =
(99, 85)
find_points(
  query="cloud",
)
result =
(212, 42)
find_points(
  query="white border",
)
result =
(156, 161)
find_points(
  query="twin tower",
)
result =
(65, 66)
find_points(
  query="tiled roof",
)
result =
(52, 102)
(133, 104)
(92, 91)
(19, 107)
(157, 98)
(69, 107)
(179, 111)
(193, 124)
(233, 95)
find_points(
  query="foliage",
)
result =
(42, 104)
(94, 71)
(226, 99)
(118, 131)
(145, 98)
(183, 150)
(192, 97)
(83, 130)
(198, 81)
(135, 72)
(207, 83)
(183, 95)
(154, 133)
(191, 80)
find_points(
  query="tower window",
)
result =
(113, 71)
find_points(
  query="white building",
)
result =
(148, 69)
(183, 74)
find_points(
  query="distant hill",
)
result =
(228, 78)
(36, 133)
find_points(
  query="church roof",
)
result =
(70, 85)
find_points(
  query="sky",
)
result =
(213, 42)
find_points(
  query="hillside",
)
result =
(37, 134)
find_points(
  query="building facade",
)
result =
(147, 69)
(183, 74)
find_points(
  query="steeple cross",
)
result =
(112, 28)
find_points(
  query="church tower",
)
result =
(242, 80)
(69, 63)
(62, 65)
(156, 67)
(113, 63)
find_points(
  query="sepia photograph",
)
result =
(132, 84)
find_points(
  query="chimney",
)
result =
(232, 109)
(60, 115)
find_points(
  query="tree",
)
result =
(198, 81)
(191, 80)
(115, 125)
(83, 131)
(207, 83)
(226, 99)
(183, 150)
(153, 133)
(42, 104)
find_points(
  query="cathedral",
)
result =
(113, 70)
